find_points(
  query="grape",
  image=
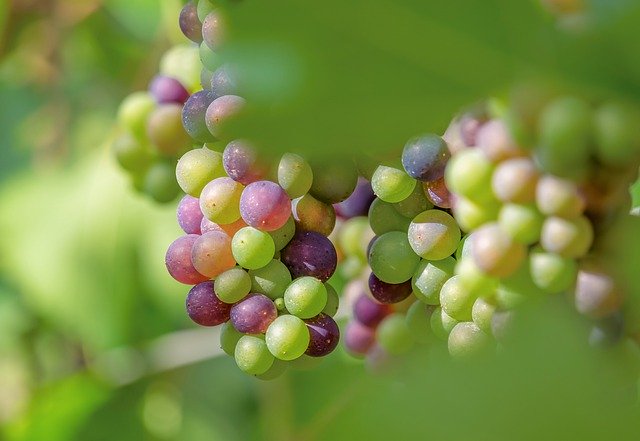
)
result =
(193, 116)
(178, 261)
(164, 129)
(351, 234)
(424, 158)
(616, 132)
(134, 112)
(358, 203)
(204, 8)
(434, 235)
(333, 301)
(252, 355)
(223, 83)
(204, 307)
(197, 168)
(232, 285)
(358, 339)
(310, 254)
(437, 193)
(253, 314)
(181, 62)
(474, 280)
(287, 337)
(189, 215)
(211, 254)
(240, 162)
(265, 205)
(229, 338)
(383, 218)
(429, 278)
(467, 340)
(131, 154)
(482, 313)
(221, 110)
(252, 248)
(596, 293)
(495, 141)
(501, 324)
(418, 321)
(160, 183)
(283, 235)
(393, 334)
(312, 215)
(464, 247)
(391, 258)
(388, 292)
(294, 175)
(190, 23)
(230, 229)
(552, 272)
(392, 185)
(455, 300)
(333, 182)
(558, 197)
(441, 323)
(472, 215)
(324, 335)
(168, 90)
(495, 253)
(522, 222)
(413, 205)
(514, 180)
(567, 237)
(213, 30)
(220, 200)
(305, 297)
(607, 331)
(468, 174)
(369, 312)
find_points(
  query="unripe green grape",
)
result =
(393, 334)
(551, 272)
(160, 183)
(220, 200)
(441, 323)
(333, 301)
(350, 236)
(472, 215)
(429, 278)
(570, 238)
(131, 154)
(617, 133)
(391, 258)
(434, 235)
(383, 218)
(522, 222)
(252, 355)
(468, 174)
(474, 280)
(279, 302)
(287, 337)
(495, 253)
(482, 313)
(294, 175)
(467, 340)
(134, 112)
(414, 204)
(559, 197)
(464, 247)
(455, 300)
(165, 130)
(305, 297)
(391, 184)
(418, 320)
(197, 168)
(182, 62)
(283, 235)
(351, 267)
(271, 280)
(229, 337)
(252, 248)
(232, 285)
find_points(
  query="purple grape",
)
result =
(369, 312)
(190, 23)
(310, 254)
(204, 307)
(189, 215)
(389, 292)
(168, 90)
(178, 261)
(265, 205)
(253, 314)
(425, 157)
(358, 338)
(213, 30)
(223, 83)
(324, 333)
(193, 116)
(240, 161)
(358, 203)
(220, 110)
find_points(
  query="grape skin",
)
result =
(388, 292)
(369, 312)
(424, 158)
(189, 215)
(211, 254)
(190, 23)
(178, 261)
(220, 111)
(358, 338)
(391, 258)
(434, 235)
(196, 168)
(193, 116)
(287, 337)
(310, 254)
(253, 314)
(324, 335)
(252, 355)
(204, 307)
(265, 205)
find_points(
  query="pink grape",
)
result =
(178, 261)
(265, 205)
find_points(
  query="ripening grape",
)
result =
(232, 285)
(265, 205)
(310, 254)
(482, 313)
(229, 338)
(190, 24)
(287, 337)
(559, 197)
(204, 307)
(324, 335)
(193, 116)
(358, 338)
(181, 62)
(425, 157)
(221, 110)
(334, 181)
(455, 300)
(383, 218)
(220, 200)
(211, 254)
(213, 30)
(551, 272)
(252, 355)
(414, 204)
(472, 215)
(197, 168)
(393, 334)
(134, 112)
(312, 215)
(441, 323)
(392, 185)
(468, 174)
(495, 253)
(567, 237)
(240, 162)
(294, 175)
(168, 90)
(358, 203)
(522, 222)
(165, 131)
(230, 229)
(253, 314)
(496, 142)
(222, 82)
(271, 280)
(467, 340)
(437, 193)
(189, 215)
(617, 133)
(369, 312)
(514, 180)
(391, 258)
(418, 319)
(333, 301)
(131, 154)
(429, 278)
(159, 182)
(434, 235)
(305, 297)
(596, 293)
(178, 261)
(252, 248)
(388, 292)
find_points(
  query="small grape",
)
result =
(160, 183)
(391, 258)
(474, 280)
(193, 116)
(551, 272)
(596, 293)
(204, 307)
(437, 193)
(482, 313)
(312, 215)
(305, 297)
(189, 215)
(455, 300)
(429, 278)
(418, 321)
(229, 338)
(468, 174)
(388, 292)
(178, 261)
(197, 168)
(369, 312)
(294, 175)
(358, 338)
(559, 197)
(240, 162)
(434, 235)
(181, 62)
(496, 142)
(265, 205)
(131, 154)
(424, 158)
(253, 314)
(383, 218)
(190, 23)
(570, 238)
(467, 340)
(496, 253)
(221, 110)
(522, 222)
(333, 181)
(514, 180)
(287, 337)
(220, 200)
(351, 234)
(232, 285)
(393, 334)
(472, 215)
(441, 323)
(211, 254)
(168, 90)
(324, 335)
(165, 131)
(134, 112)
(310, 254)
(252, 355)
(252, 248)
(213, 30)
(392, 185)
(358, 203)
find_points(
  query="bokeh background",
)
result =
(94, 341)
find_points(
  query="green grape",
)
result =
(232, 285)
(472, 215)
(204, 8)
(333, 301)
(522, 222)
(467, 340)
(350, 236)
(252, 248)
(294, 175)
(434, 235)
(160, 183)
(391, 184)
(282, 236)
(429, 278)
(220, 200)
(551, 272)
(252, 355)
(287, 337)
(182, 62)
(333, 181)
(229, 337)
(383, 218)
(393, 334)
(209, 59)
(391, 258)
(441, 323)
(474, 280)
(495, 253)
(482, 313)
(567, 237)
(468, 174)
(559, 197)
(131, 154)
(134, 112)
(277, 369)
(351, 267)
(279, 302)
(464, 247)
(418, 320)
(305, 297)
(617, 133)
(197, 168)
(455, 300)
(414, 204)
(271, 280)
(165, 130)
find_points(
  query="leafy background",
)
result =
(94, 343)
